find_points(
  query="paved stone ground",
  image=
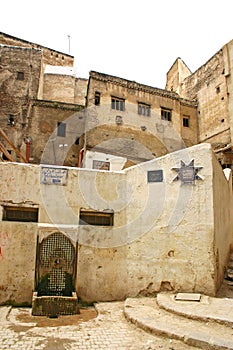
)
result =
(110, 330)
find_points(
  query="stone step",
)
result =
(208, 309)
(146, 314)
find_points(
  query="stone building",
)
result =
(135, 122)
(38, 91)
(125, 122)
(211, 87)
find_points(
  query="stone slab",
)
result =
(188, 296)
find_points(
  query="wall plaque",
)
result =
(101, 165)
(155, 176)
(53, 176)
(187, 173)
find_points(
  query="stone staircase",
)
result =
(206, 324)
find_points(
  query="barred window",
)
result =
(166, 114)
(144, 109)
(118, 104)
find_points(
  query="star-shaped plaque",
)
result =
(187, 174)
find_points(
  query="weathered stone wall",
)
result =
(65, 88)
(50, 56)
(208, 86)
(47, 146)
(14, 92)
(176, 74)
(228, 66)
(80, 91)
(59, 88)
(164, 237)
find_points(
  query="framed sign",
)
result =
(155, 176)
(101, 165)
(53, 176)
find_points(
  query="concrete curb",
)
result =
(146, 314)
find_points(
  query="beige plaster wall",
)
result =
(223, 219)
(164, 237)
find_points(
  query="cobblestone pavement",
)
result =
(109, 330)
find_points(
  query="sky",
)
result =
(132, 39)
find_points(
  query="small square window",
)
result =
(186, 122)
(61, 129)
(97, 98)
(166, 114)
(144, 109)
(118, 104)
(20, 76)
(4, 156)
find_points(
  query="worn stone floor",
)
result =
(109, 330)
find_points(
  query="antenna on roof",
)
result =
(69, 42)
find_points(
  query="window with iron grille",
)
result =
(166, 114)
(95, 218)
(20, 214)
(118, 104)
(144, 109)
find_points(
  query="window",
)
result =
(20, 214)
(95, 218)
(166, 114)
(20, 76)
(61, 129)
(97, 98)
(4, 157)
(186, 122)
(218, 89)
(144, 109)
(11, 120)
(118, 104)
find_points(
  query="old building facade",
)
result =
(160, 217)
